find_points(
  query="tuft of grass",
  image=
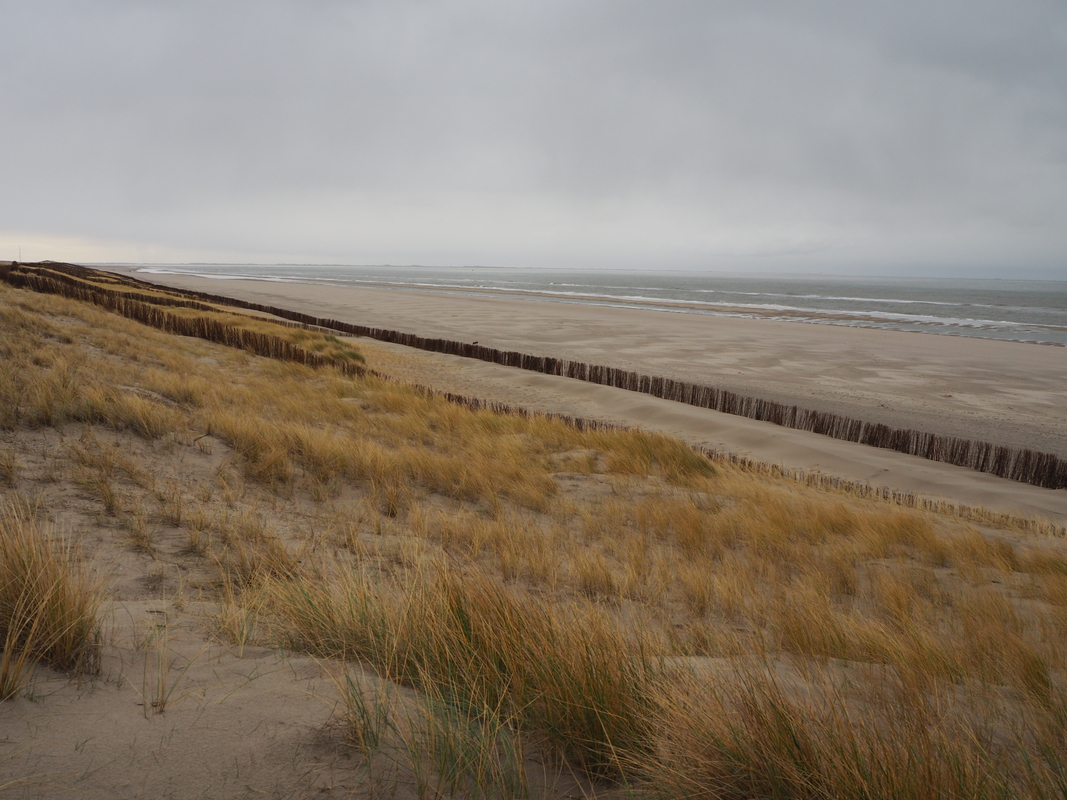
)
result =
(171, 501)
(49, 604)
(456, 749)
(449, 750)
(140, 532)
(236, 620)
(106, 489)
(9, 467)
(368, 713)
(740, 731)
(570, 675)
(160, 678)
(252, 553)
(391, 494)
(594, 575)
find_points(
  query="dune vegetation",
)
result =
(606, 601)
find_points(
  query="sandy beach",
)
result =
(1005, 392)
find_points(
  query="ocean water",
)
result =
(1026, 311)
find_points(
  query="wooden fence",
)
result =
(144, 309)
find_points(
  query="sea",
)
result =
(1015, 310)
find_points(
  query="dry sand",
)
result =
(1005, 392)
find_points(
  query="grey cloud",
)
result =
(829, 134)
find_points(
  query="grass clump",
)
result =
(49, 604)
(9, 467)
(569, 675)
(450, 750)
(748, 732)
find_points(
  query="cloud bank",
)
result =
(828, 136)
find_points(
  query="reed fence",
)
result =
(145, 309)
(811, 478)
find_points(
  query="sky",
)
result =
(903, 138)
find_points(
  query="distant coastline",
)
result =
(1022, 311)
(1002, 392)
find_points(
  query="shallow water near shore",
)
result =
(1024, 311)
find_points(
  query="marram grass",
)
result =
(49, 603)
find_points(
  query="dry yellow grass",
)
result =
(49, 604)
(691, 627)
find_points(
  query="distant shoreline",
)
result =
(961, 310)
(982, 389)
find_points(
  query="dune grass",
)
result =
(569, 675)
(49, 603)
(684, 628)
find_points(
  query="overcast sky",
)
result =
(907, 137)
